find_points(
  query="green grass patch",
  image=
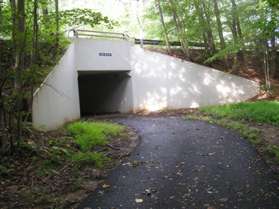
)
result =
(90, 134)
(90, 158)
(260, 111)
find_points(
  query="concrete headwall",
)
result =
(102, 55)
(156, 81)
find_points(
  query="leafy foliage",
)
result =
(244, 26)
(32, 40)
(84, 17)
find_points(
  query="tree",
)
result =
(29, 36)
(35, 32)
(57, 25)
(219, 24)
(202, 23)
(237, 34)
(1, 5)
(209, 32)
(179, 29)
(163, 24)
(273, 34)
(18, 7)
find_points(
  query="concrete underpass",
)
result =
(103, 92)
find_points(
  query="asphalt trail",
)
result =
(187, 164)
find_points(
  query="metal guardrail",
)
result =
(79, 33)
(99, 34)
(163, 43)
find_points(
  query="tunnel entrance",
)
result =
(104, 92)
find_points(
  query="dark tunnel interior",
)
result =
(101, 92)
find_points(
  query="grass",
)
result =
(90, 134)
(90, 158)
(260, 111)
(87, 135)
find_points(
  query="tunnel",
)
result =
(104, 92)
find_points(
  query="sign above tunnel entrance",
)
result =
(105, 54)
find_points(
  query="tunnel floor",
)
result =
(102, 92)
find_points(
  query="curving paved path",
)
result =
(187, 164)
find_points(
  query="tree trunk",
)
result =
(179, 29)
(202, 24)
(210, 37)
(35, 33)
(237, 34)
(35, 55)
(1, 5)
(273, 53)
(219, 24)
(13, 15)
(57, 26)
(20, 48)
(163, 24)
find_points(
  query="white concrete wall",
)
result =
(57, 101)
(161, 81)
(157, 82)
(88, 58)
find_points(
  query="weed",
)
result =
(90, 158)
(89, 134)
